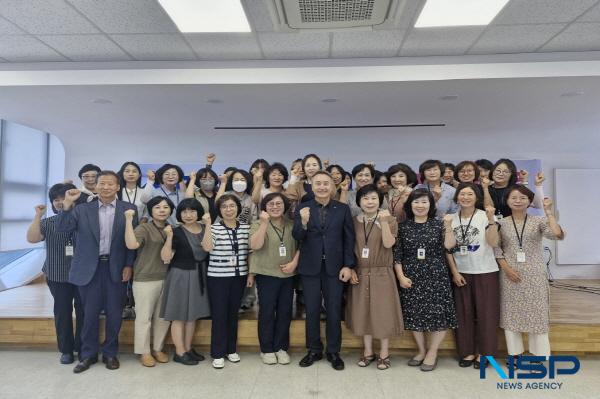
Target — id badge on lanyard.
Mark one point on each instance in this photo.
(365, 253)
(421, 253)
(282, 250)
(463, 250)
(520, 256)
(69, 250)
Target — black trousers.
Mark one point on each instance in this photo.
(275, 312)
(330, 288)
(66, 296)
(225, 296)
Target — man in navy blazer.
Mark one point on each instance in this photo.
(101, 265)
(326, 233)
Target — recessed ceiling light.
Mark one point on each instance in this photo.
(214, 101)
(101, 101)
(207, 15)
(572, 94)
(329, 100)
(459, 12)
(448, 98)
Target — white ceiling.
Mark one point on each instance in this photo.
(134, 30)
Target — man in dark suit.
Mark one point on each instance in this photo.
(101, 265)
(325, 229)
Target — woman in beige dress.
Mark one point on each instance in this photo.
(373, 309)
(524, 290)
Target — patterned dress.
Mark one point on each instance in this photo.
(524, 306)
(428, 305)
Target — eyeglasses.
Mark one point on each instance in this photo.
(465, 171)
(502, 172)
(92, 176)
(274, 204)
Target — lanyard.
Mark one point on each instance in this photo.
(520, 238)
(167, 195)
(464, 232)
(393, 203)
(128, 197)
(164, 237)
(277, 231)
(367, 235)
(234, 246)
(498, 199)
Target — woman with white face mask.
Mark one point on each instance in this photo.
(239, 183)
(204, 189)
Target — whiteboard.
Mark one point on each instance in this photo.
(577, 193)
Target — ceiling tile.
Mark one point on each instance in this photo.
(592, 15)
(542, 11)
(45, 17)
(259, 15)
(294, 45)
(86, 47)
(7, 28)
(224, 46)
(515, 38)
(383, 43)
(577, 37)
(440, 41)
(27, 49)
(131, 16)
(155, 47)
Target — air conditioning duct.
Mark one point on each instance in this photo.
(296, 15)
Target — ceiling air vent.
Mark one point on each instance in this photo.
(332, 14)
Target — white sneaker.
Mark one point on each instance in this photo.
(282, 357)
(218, 363)
(233, 357)
(268, 358)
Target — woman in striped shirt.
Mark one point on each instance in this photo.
(227, 278)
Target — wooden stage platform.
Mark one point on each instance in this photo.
(26, 321)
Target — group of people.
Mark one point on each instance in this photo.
(447, 248)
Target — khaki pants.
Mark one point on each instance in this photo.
(539, 344)
(148, 299)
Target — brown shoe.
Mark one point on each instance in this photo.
(147, 360)
(161, 357)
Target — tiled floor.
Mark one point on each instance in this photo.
(37, 374)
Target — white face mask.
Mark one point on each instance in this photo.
(239, 186)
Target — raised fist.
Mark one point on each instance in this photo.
(344, 185)
(547, 205)
(523, 176)
(264, 217)
(72, 195)
(40, 210)
(206, 220)
(539, 178)
(168, 230)
(485, 182)
(448, 219)
(129, 213)
(210, 158)
(305, 215)
(151, 175)
(384, 215)
(223, 179)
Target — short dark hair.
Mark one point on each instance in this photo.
(277, 166)
(378, 175)
(485, 164)
(368, 189)
(228, 197)
(122, 171)
(428, 164)
(249, 181)
(461, 165)
(338, 167)
(478, 193)
(416, 194)
(87, 168)
(229, 169)
(511, 167)
(157, 200)
(520, 188)
(161, 171)
(449, 165)
(269, 197)
(359, 168)
(58, 190)
(206, 172)
(258, 163)
(109, 173)
(411, 176)
(307, 157)
(188, 203)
